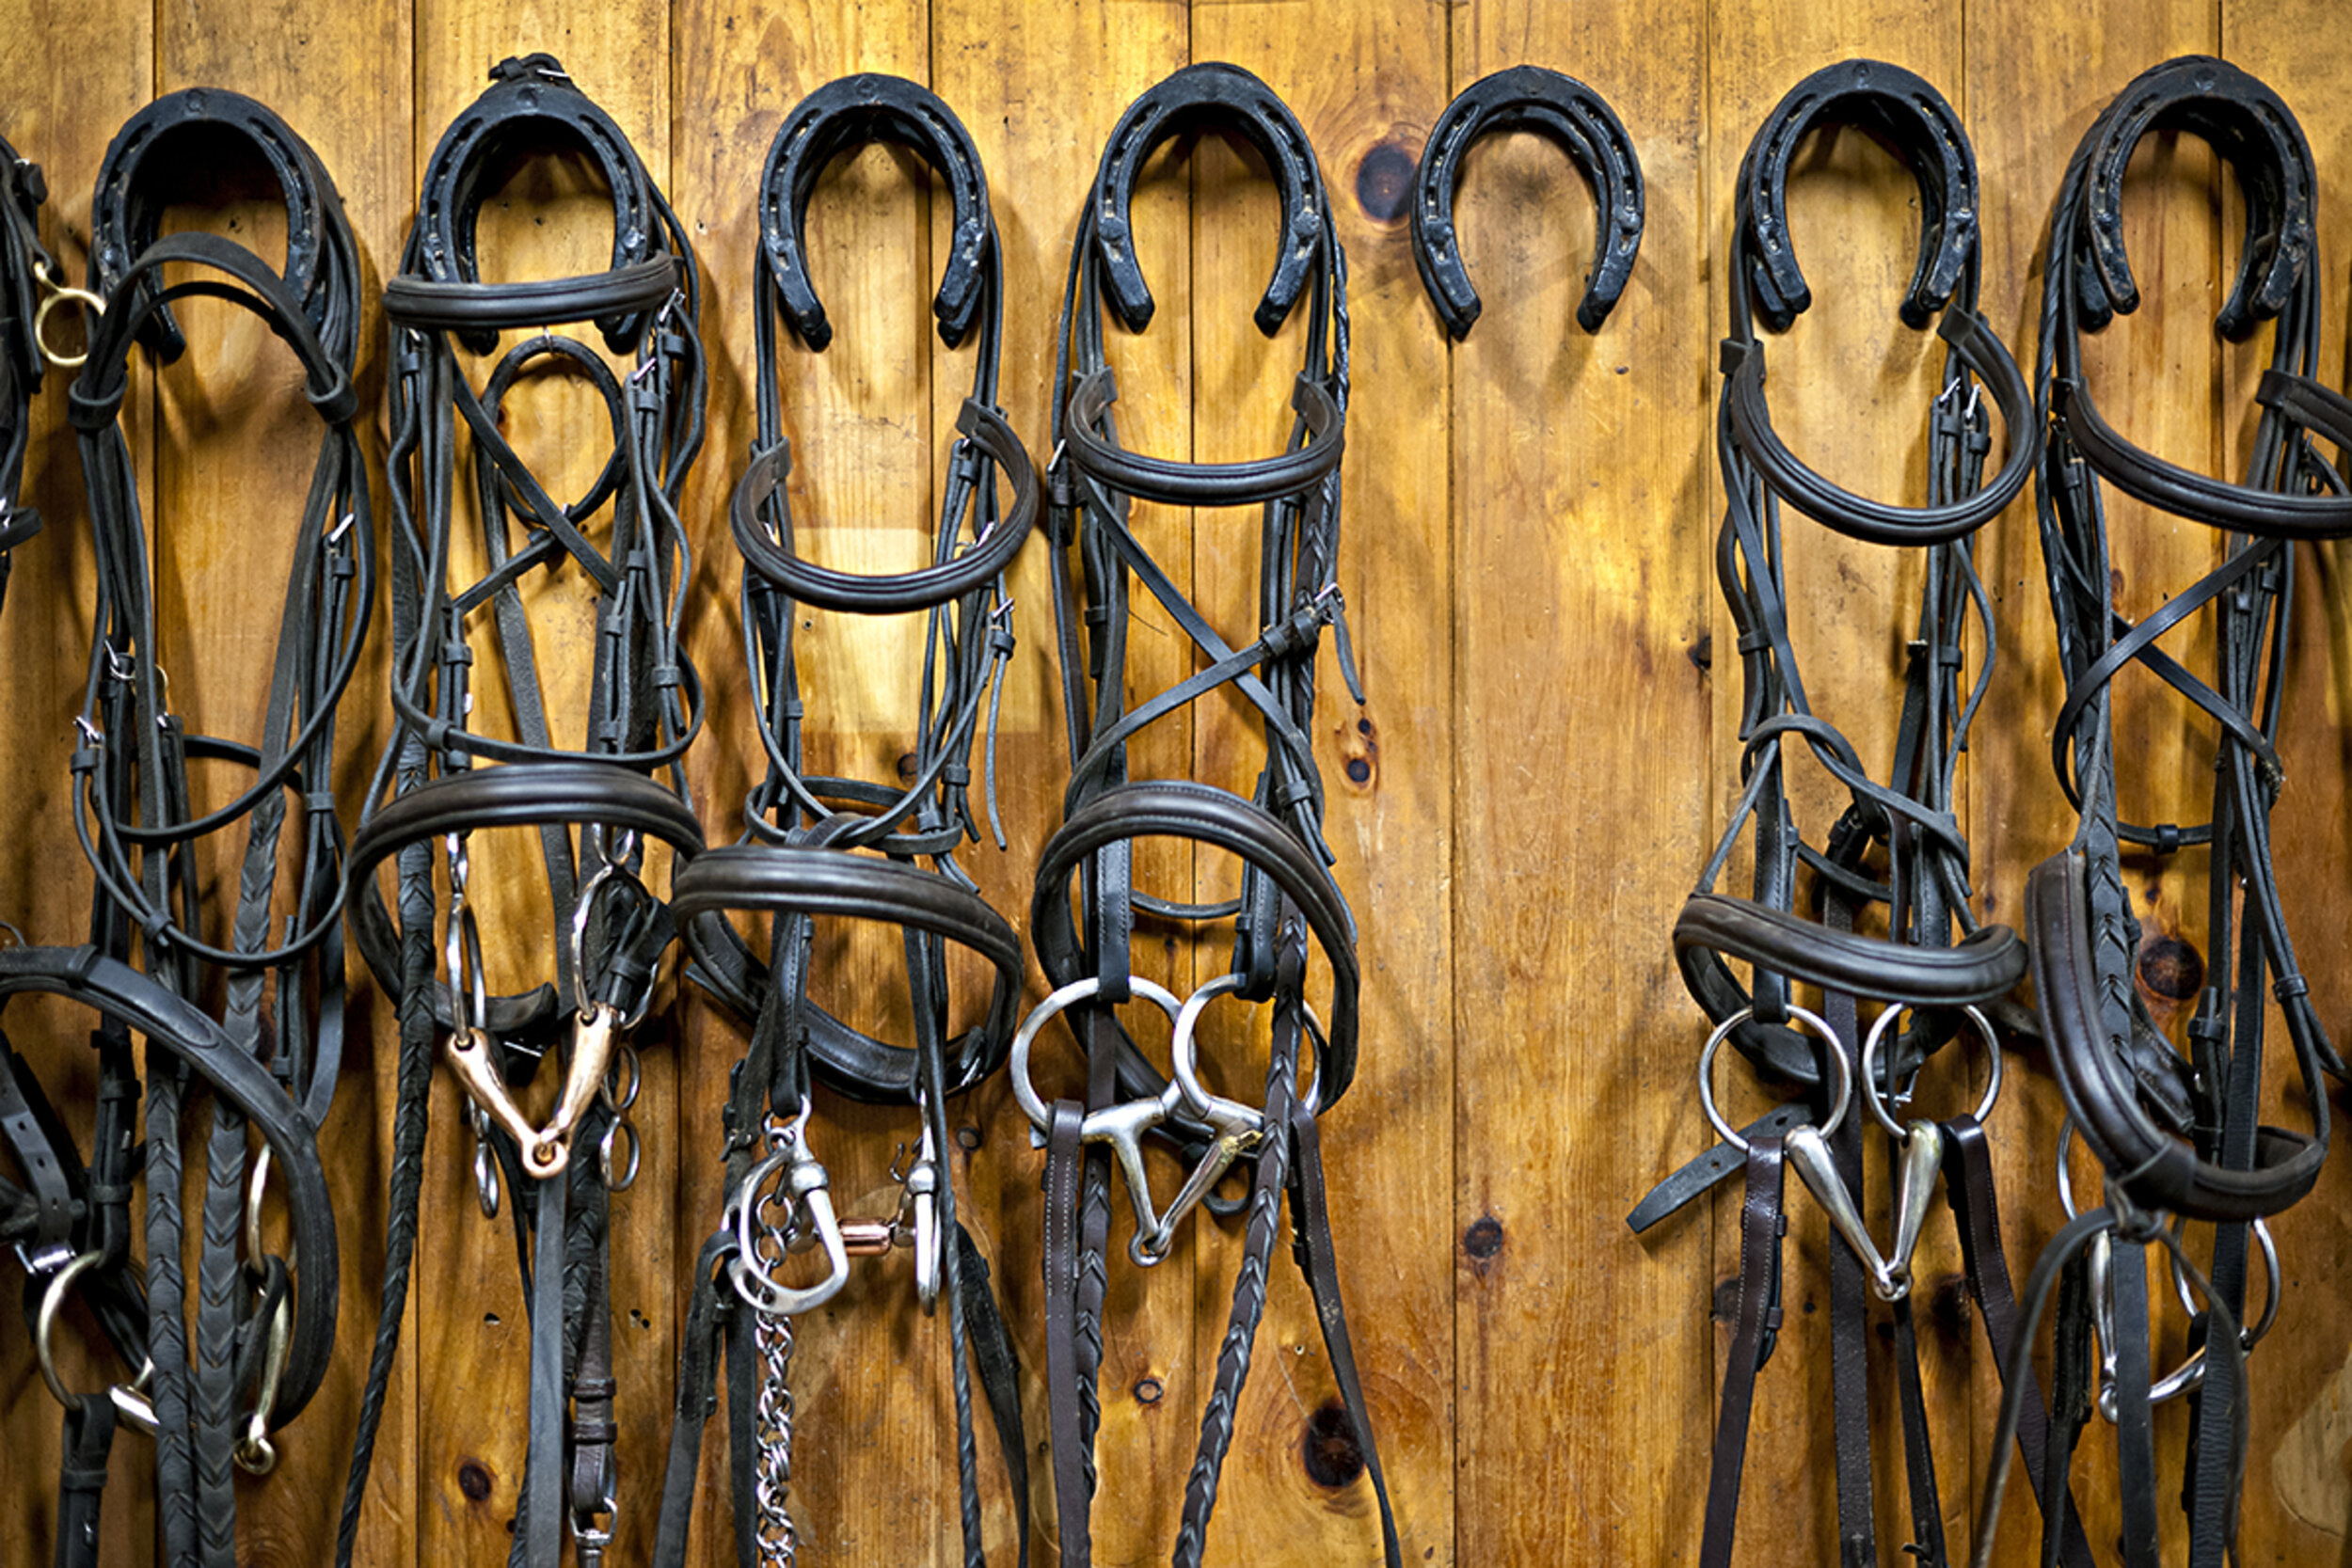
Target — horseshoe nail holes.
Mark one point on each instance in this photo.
(1483, 1238)
(2171, 969)
(1332, 1455)
(1384, 181)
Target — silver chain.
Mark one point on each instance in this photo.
(779, 1542)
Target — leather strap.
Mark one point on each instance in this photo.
(1761, 1226)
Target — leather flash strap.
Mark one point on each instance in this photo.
(1968, 1188)
(1065, 1160)
(89, 1434)
(1762, 1224)
(542, 1521)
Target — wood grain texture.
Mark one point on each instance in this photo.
(1581, 525)
(62, 123)
(1518, 809)
(1367, 98)
(549, 217)
(1850, 387)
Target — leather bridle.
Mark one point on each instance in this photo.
(1287, 890)
(2176, 1135)
(621, 788)
(799, 862)
(261, 1331)
(1898, 842)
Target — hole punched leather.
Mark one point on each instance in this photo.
(217, 1381)
(1527, 98)
(1084, 914)
(1897, 848)
(821, 848)
(2177, 1133)
(594, 806)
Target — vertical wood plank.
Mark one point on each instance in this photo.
(1581, 520)
(62, 123)
(235, 454)
(1040, 87)
(2298, 1495)
(1850, 391)
(859, 419)
(2035, 85)
(1367, 91)
(552, 219)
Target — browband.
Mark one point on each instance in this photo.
(527, 97)
(1527, 98)
(1183, 483)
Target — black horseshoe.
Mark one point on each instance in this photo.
(525, 96)
(1912, 119)
(852, 113)
(2253, 128)
(1527, 98)
(1222, 97)
(124, 218)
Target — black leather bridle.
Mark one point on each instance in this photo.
(263, 1325)
(797, 861)
(1897, 844)
(2178, 1137)
(1287, 890)
(621, 788)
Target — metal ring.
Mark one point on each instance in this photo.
(1180, 1055)
(1839, 1070)
(2248, 1337)
(60, 294)
(1078, 990)
(619, 1103)
(256, 1185)
(45, 1321)
(628, 1178)
(1878, 1026)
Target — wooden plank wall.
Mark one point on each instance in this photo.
(1533, 784)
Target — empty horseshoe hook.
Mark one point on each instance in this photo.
(1212, 95)
(852, 113)
(1527, 98)
(1912, 119)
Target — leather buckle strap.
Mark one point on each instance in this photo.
(1527, 98)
